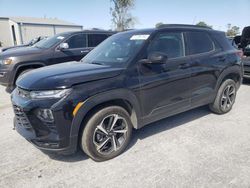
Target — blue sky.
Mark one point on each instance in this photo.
(95, 13)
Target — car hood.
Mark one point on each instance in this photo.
(14, 47)
(20, 52)
(65, 75)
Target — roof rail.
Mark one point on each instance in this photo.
(182, 25)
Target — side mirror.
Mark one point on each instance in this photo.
(63, 46)
(157, 58)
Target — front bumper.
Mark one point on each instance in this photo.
(46, 136)
(4, 77)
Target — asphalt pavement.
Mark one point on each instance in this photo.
(193, 149)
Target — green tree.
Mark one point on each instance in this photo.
(121, 16)
(232, 30)
(204, 24)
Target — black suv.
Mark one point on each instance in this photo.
(64, 47)
(245, 41)
(130, 80)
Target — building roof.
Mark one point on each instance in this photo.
(43, 21)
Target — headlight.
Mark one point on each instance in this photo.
(6, 61)
(50, 94)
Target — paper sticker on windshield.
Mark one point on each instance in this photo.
(139, 37)
(60, 37)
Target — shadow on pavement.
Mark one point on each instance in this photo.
(168, 123)
(143, 133)
(78, 156)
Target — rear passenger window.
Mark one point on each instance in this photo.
(198, 42)
(77, 41)
(95, 39)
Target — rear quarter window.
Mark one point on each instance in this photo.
(95, 39)
(198, 42)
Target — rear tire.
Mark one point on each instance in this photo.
(107, 133)
(225, 97)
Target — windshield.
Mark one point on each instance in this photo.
(51, 41)
(116, 50)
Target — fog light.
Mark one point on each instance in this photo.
(45, 115)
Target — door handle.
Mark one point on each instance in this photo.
(85, 51)
(184, 66)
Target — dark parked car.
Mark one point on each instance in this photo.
(70, 46)
(246, 62)
(245, 41)
(232, 42)
(237, 40)
(130, 80)
(31, 43)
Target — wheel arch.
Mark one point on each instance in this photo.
(235, 73)
(122, 97)
(25, 66)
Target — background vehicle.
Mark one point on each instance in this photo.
(245, 40)
(237, 40)
(232, 41)
(246, 62)
(70, 46)
(130, 80)
(32, 42)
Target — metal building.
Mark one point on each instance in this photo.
(20, 30)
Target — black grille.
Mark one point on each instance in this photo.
(21, 118)
(51, 127)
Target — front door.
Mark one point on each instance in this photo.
(165, 88)
(76, 51)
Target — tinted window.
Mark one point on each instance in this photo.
(199, 42)
(170, 44)
(95, 39)
(77, 41)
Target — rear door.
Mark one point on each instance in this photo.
(203, 51)
(95, 39)
(165, 88)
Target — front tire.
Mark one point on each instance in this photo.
(225, 97)
(107, 133)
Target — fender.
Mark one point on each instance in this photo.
(236, 69)
(93, 101)
(20, 65)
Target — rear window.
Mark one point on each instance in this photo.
(95, 39)
(198, 42)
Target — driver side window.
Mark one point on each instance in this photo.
(170, 44)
